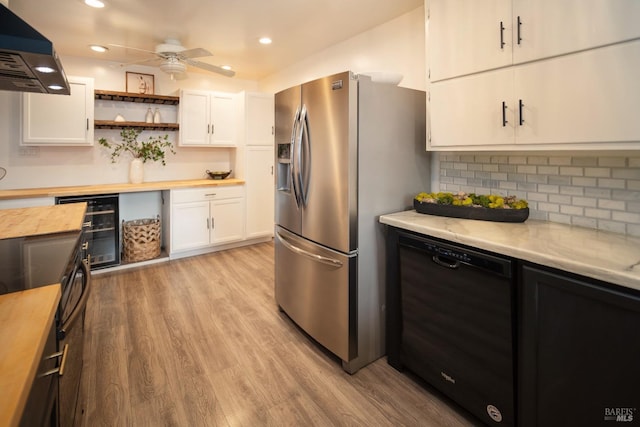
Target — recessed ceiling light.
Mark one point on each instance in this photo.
(98, 48)
(45, 70)
(94, 3)
(226, 67)
(55, 87)
(265, 40)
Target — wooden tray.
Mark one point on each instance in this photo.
(466, 212)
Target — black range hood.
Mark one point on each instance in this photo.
(28, 62)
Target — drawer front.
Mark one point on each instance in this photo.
(208, 193)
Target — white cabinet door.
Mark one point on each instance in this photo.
(259, 119)
(468, 111)
(223, 119)
(586, 100)
(259, 180)
(551, 27)
(190, 226)
(194, 118)
(465, 36)
(227, 223)
(65, 120)
(587, 97)
(207, 119)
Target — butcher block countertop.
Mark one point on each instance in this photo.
(606, 256)
(26, 319)
(82, 190)
(41, 220)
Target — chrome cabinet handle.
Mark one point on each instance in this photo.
(315, 257)
(208, 227)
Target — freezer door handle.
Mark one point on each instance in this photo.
(315, 257)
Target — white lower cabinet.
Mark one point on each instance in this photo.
(204, 217)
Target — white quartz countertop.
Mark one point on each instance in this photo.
(602, 255)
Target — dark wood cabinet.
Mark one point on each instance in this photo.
(579, 351)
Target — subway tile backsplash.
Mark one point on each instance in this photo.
(594, 191)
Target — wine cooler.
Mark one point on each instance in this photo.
(101, 232)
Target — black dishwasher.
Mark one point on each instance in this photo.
(450, 321)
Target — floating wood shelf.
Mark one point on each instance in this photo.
(111, 124)
(108, 95)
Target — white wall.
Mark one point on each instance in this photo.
(62, 166)
(396, 46)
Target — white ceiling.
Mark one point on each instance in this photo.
(229, 29)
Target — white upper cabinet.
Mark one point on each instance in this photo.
(556, 27)
(467, 36)
(65, 120)
(208, 119)
(586, 100)
(468, 111)
(259, 119)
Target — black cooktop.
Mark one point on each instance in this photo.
(30, 262)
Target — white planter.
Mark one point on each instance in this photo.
(136, 171)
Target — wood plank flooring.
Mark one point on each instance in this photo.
(200, 342)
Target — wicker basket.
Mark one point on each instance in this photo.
(141, 239)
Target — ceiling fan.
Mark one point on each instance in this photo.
(174, 58)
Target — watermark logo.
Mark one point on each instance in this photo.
(624, 415)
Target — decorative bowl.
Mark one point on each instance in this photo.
(218, 174)
(468, 212)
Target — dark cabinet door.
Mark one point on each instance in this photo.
(579, 352)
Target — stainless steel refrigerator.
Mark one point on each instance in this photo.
(347, 151)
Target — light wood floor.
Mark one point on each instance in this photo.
(200, 342)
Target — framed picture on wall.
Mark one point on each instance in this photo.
(139, 83)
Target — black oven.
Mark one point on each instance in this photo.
(30, 262)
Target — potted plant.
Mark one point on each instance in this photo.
(154, 149)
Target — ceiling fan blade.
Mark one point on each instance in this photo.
(209, 67)
(141, 61)
(132, 48)
(194, 53)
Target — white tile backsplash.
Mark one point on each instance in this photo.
(586, 190)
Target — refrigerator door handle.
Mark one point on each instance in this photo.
(315, 257)
(297, 154)
(292, 159)
(305, 160)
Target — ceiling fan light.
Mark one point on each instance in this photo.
(173, 67)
